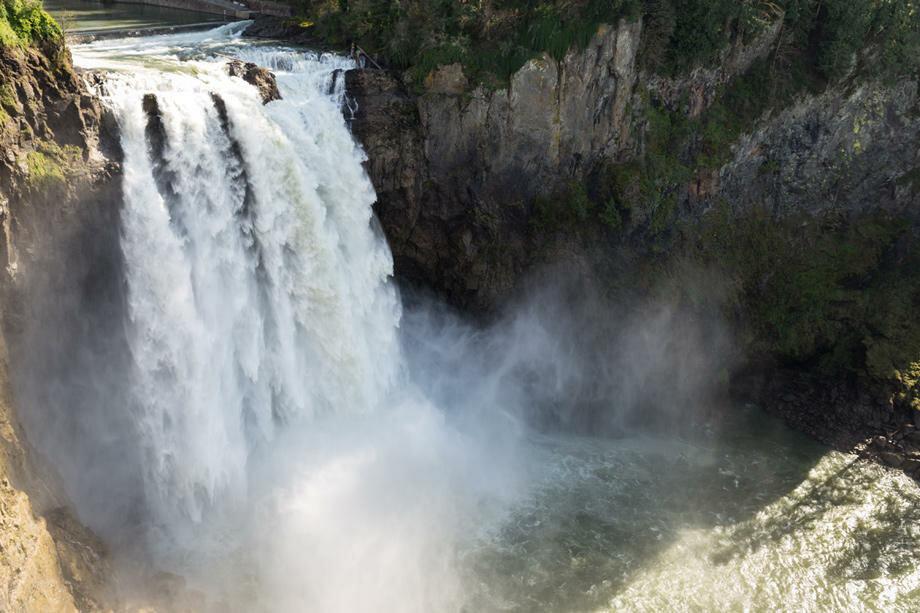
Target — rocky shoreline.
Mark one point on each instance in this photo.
(841, 414)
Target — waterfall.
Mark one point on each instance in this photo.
(244, 404)
(257, 290)
(285, 459)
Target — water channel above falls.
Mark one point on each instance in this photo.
(83, 16)
(301, 443)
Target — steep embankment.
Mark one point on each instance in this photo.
(52, 192)
(458, 167)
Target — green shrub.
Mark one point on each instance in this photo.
(683, 34)
(610, 215)
(833, 293)
(566, 209)
(491, 38)
(23, 22)
(494, 38)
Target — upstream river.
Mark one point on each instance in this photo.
(83, 16)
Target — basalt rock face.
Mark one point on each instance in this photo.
(460, 173)
(260, 78)
(58, 206)
(850, 150)
(457, 170)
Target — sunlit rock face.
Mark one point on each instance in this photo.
(458, 167)
(56, 188)
(260, 78)
(455, 171)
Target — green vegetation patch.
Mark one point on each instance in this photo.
(493, 38)
(24, 22)
(836, 35)
(834, 294)
(49, 166)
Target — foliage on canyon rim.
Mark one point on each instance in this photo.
(494, 38)
(24, 22)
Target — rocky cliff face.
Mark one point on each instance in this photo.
(850, 149)
(55, 189)
(462, 174)
(457, 171)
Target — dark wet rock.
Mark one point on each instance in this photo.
(261, 78)
(844, 416)
(895, 460)
(287, 29)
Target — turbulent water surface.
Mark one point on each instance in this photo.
(294, 442)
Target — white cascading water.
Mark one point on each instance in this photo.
(280, 439)
(257, 291)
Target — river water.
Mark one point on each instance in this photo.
(300, 441)
(81, 16)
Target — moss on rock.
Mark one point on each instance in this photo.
(49, 165)
(835, 295)
(24, 22)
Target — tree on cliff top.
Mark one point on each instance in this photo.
(494, 38)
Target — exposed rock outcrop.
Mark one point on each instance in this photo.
(693, 93)
(260, 78)
(461, 175)
(848, 150)
(456, 172)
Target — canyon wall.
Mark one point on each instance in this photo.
(466, 176)
(59, 219)
(808, 211)
(457, 168)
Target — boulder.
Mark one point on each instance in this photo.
(895, 460)
(261, 78)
